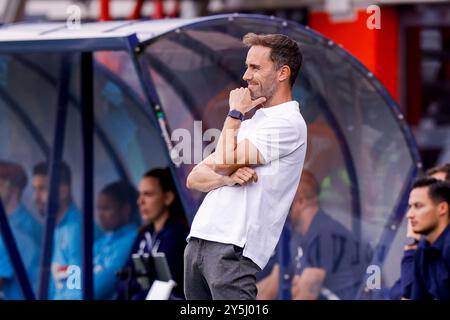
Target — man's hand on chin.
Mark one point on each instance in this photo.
(241, 100)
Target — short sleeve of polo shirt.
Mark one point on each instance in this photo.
(276, 138)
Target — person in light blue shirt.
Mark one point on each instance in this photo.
(116, 215)
(25, 228)
(67, 253)
(67, 256)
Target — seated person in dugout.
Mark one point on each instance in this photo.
(165, 230)
(116, 215)
(402, 287)
(440, 172)
(25, 228)
(67, 252)
(326, 262)
(429, 216)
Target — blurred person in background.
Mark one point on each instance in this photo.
(25, 228)
(164, 230)
(440, 172)
(67, 251)
(116, 215)
(325, 263)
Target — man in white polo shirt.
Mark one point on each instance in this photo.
(251, 178)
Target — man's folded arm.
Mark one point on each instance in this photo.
(246, 154)
(212, 174)
(203, 178)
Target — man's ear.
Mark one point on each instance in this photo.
(285, 73)
(443, 208)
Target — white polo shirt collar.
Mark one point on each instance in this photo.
(289, 106)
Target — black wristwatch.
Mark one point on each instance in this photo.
(236, 115)
(411, 241)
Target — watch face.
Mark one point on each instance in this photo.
(236, 114)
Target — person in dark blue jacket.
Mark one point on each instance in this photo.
(326, 259)
(403, 286)
(165, 230)
(429, 214)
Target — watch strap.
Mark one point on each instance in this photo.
(236, 115)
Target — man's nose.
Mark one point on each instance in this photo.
(409, 214)
(247, 75)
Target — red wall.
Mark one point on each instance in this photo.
(377, 49)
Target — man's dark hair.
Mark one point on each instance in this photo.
(14, 173)
(284, 51)
(65, 176)
(444, 168)
(439, 191)
(164, 177)
(167, 184)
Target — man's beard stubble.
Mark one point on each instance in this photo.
(267, 93)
